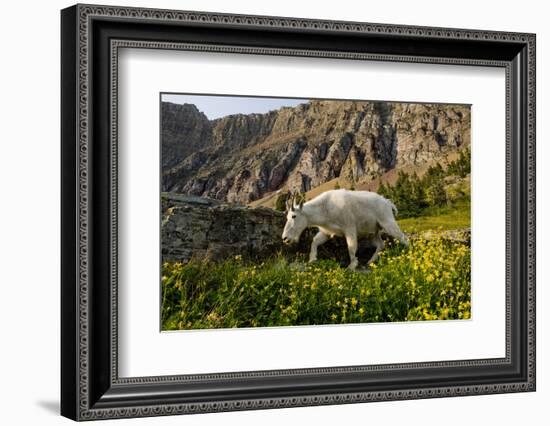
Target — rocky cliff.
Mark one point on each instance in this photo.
(184, 131)
(241, 158)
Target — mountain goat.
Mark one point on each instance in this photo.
(339, 212)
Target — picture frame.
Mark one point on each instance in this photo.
(90, 384)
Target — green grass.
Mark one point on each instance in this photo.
(442, 218)
(429, 280)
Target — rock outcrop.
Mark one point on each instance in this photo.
(241, 158)
(197, 227)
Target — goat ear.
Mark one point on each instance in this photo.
(302, 200)
(298, 201)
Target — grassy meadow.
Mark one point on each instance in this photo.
(439, 219)
(428, 281)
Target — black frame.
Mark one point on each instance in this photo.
(91, 37)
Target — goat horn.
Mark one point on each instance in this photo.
(293, 198)
(288, 201)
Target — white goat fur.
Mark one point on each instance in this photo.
(351, 214)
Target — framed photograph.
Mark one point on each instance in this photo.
(263, 212)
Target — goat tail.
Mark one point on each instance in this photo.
(393, 208)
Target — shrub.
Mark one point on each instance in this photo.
(280, 202)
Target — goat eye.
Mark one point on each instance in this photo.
(293, 216)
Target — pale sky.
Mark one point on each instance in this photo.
(221, 106)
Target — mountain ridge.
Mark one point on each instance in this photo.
(242, 158)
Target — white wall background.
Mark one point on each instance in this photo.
(29, 213)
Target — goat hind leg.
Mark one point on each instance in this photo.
(351, 241)
(379, 244)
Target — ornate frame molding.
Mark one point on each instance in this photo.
(82, 17)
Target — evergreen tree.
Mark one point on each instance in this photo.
(384, 190)
(412, 194)
(462, 166)
(436, 194)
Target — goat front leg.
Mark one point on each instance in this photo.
(320, 238)
(351, 241)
